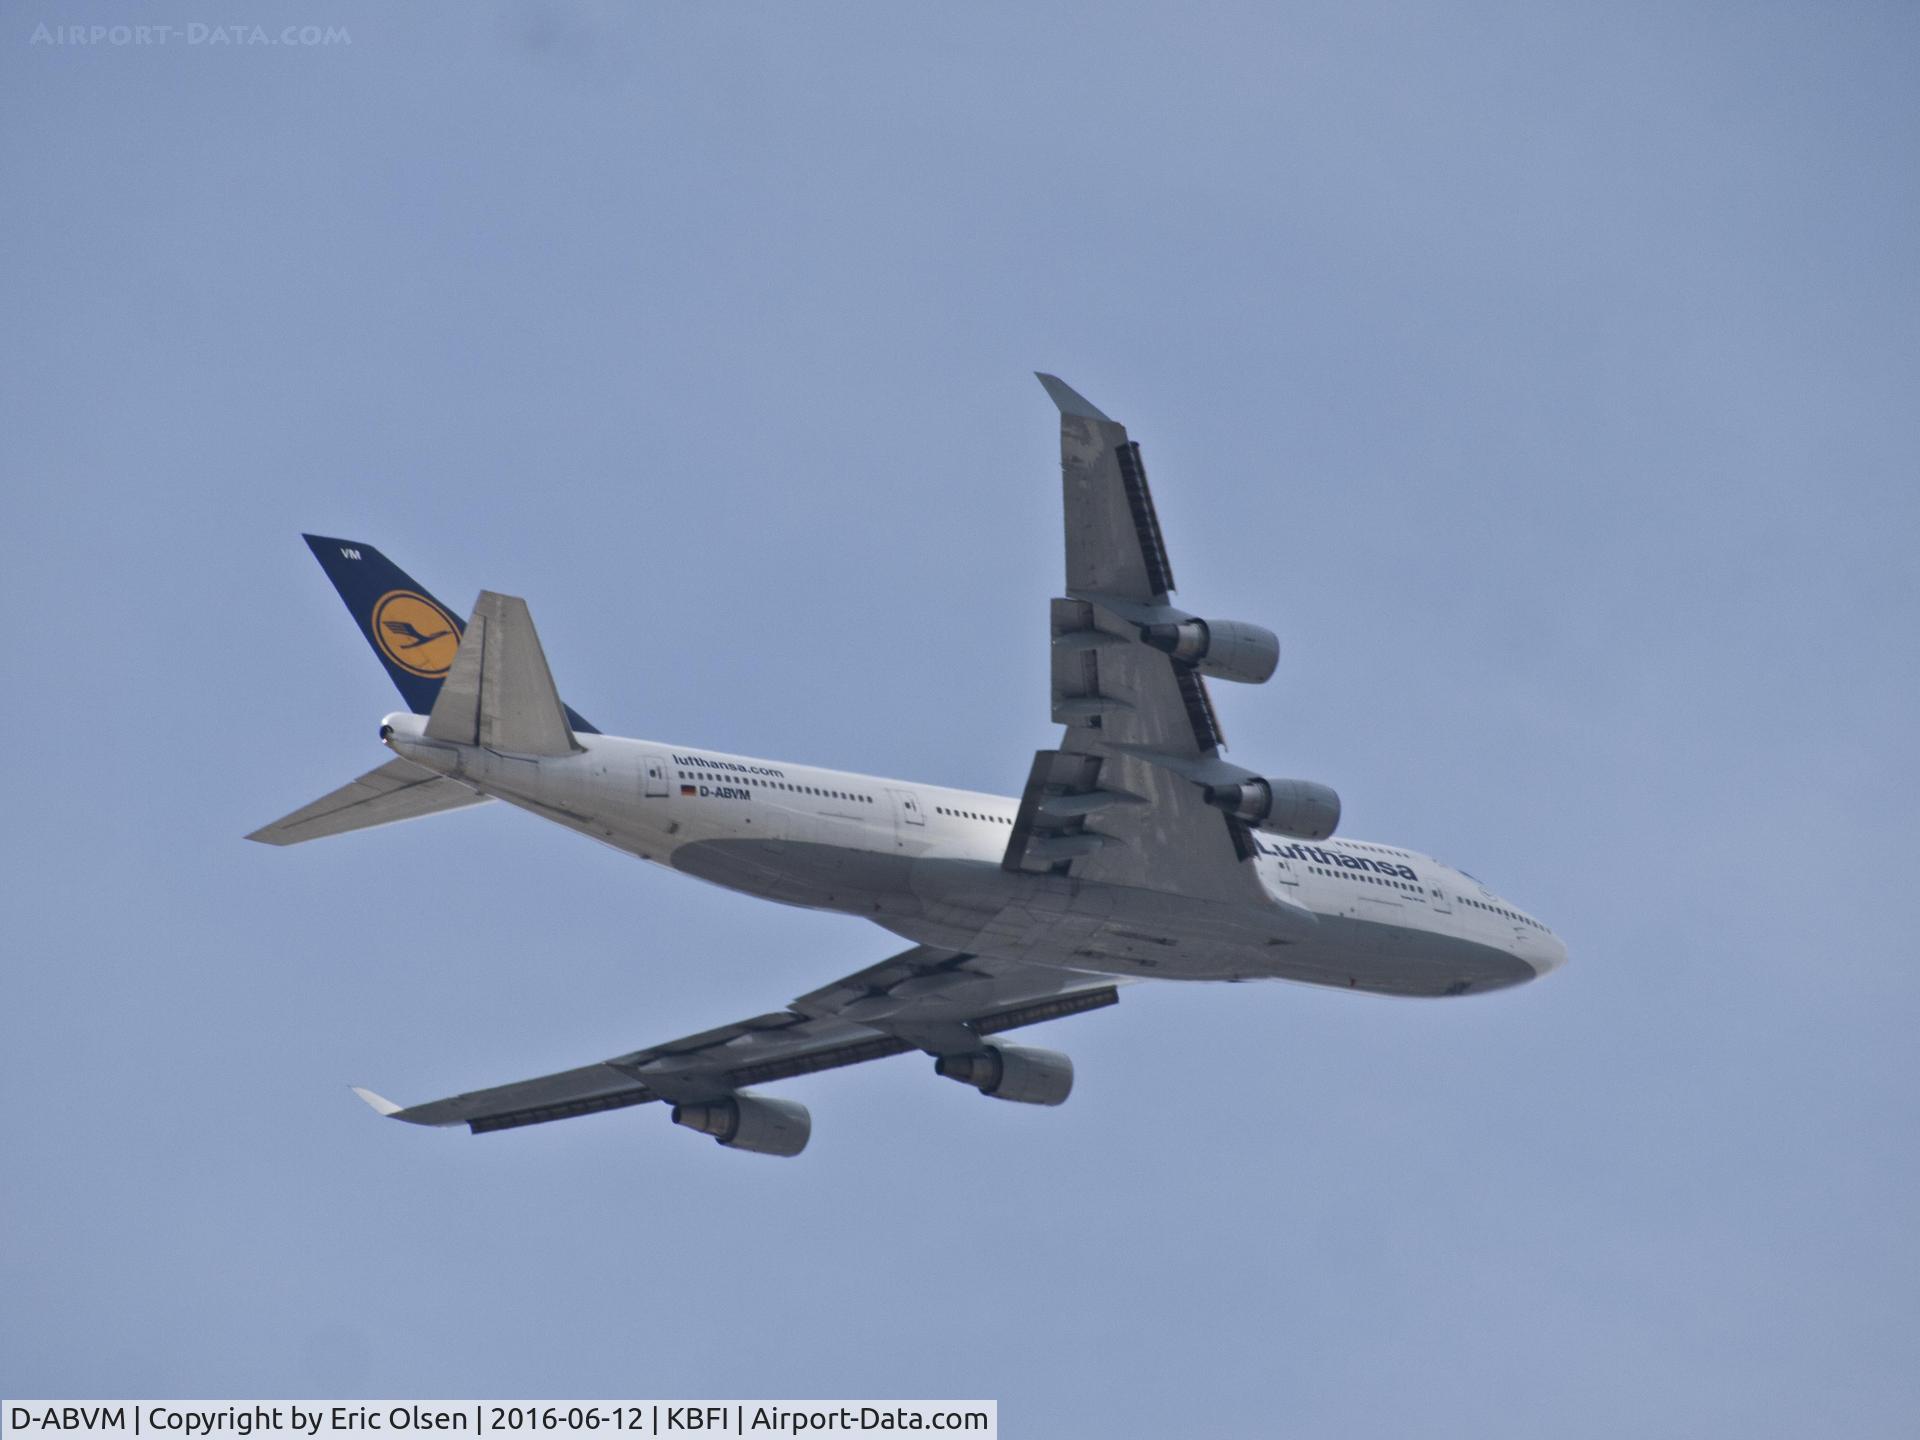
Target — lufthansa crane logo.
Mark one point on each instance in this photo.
(415, 634)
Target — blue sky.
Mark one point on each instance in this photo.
(1543, 375)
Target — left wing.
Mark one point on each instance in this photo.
(1122, 800)
(942, 1002)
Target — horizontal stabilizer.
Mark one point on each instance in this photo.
(398, 790)
(499, 693)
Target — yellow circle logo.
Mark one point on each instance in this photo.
(414, 633)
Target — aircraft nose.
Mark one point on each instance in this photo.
(1547, 955)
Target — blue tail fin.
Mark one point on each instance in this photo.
(415, 636)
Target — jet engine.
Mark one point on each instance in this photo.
(1299, 809)
(1011, 1072)
(1230, 649)
(750, 1122)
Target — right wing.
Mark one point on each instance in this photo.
(940, 1001)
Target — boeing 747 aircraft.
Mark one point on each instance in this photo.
(1134, 852)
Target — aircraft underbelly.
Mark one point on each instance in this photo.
(821, 877)
(1054, 920)
(976, 905)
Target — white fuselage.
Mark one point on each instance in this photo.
(923, 861)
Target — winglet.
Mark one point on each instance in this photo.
(379, 1104)
(1070, 400)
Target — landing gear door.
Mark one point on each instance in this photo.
(654, 768)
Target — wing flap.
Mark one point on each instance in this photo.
(1052, 810)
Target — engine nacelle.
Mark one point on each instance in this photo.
(1012, 1072)
(750, 1122)
(1230, 649)
(1299, 809)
